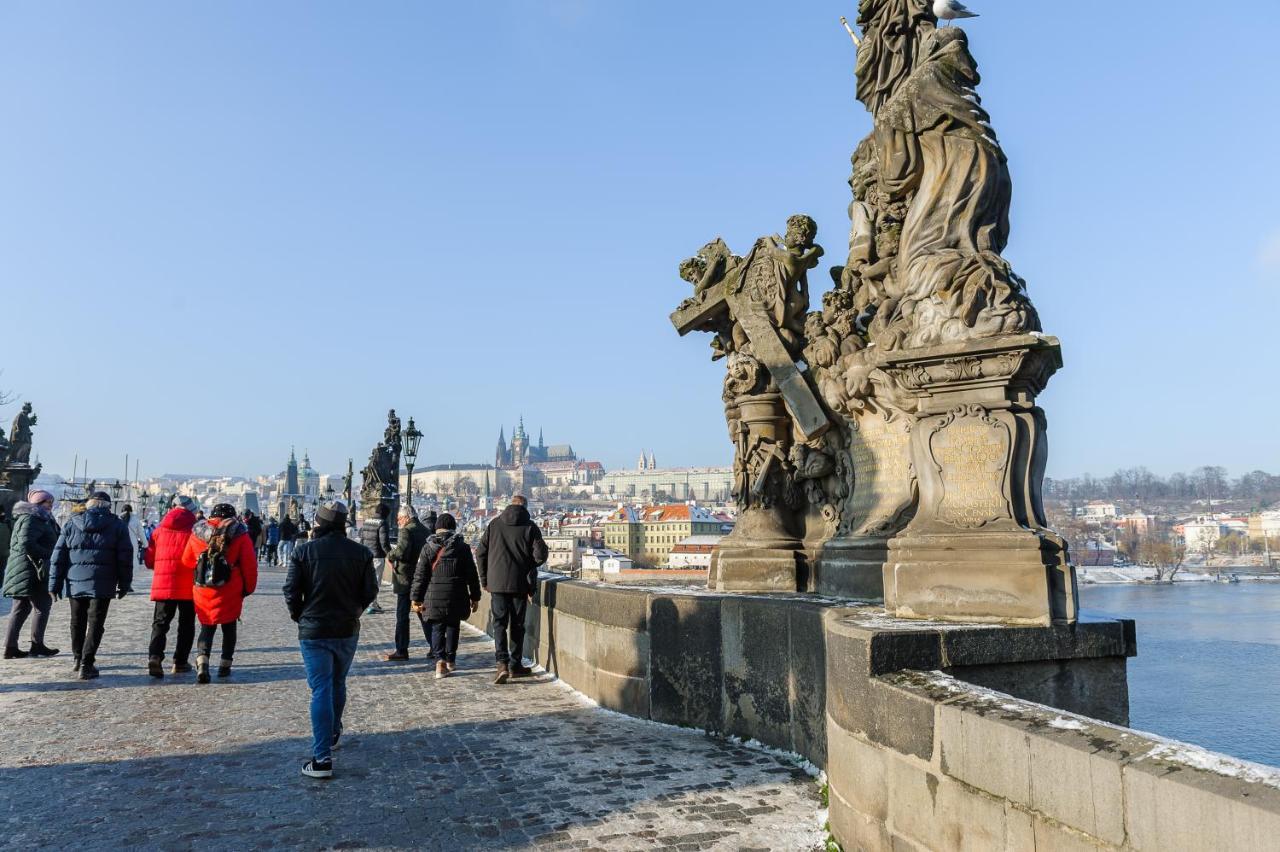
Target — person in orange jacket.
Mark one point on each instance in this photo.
(223, 579)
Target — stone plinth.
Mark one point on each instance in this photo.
(763, 553)
(979, 547)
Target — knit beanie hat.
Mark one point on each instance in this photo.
(38, 496)
(446, 522)
(332, 514)
(182, 501)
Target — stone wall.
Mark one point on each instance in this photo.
(919, 752)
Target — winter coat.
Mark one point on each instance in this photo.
(374, 535)
(404, 556)
(93, 557)
(510, 552)
(254, 523)
(273, 534)
(330, 582)
(223, 604)
(446, 586)
(35, 533)
(6, 533)
(172, 581)
(288, 529)
(137, 538)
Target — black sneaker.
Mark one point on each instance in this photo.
(315, 769)
(75, 664)
(15, 654)
(43, 650)
(155, 668)
(88, 671)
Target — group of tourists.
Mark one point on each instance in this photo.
(204, 568)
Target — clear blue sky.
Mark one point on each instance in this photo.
(229, 227)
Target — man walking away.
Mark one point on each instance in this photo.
(508, 555)
(92, 561)
(273, 541)
(330, 582)
(404, 559)
(375, 536)
(288, 535)
(171, 588)
(137, 535)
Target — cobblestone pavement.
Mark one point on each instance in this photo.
(459, 764)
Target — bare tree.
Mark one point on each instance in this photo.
(1167, 557)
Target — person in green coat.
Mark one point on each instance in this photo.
(6, 533)
(404, 559)
(26, 575)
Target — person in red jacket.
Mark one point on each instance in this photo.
(171, 588)
(220, 605)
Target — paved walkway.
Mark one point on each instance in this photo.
(459, 764)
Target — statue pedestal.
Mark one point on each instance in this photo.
(979, 547)
(852, 565)
(763, 553)
(15, 482)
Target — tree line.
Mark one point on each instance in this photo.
(1139, 484)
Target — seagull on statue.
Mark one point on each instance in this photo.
(949, 10)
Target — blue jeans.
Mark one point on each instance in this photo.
(327, 662)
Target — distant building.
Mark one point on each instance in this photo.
(599, 561)
(1202, 534)
(563, 553)
(707, 484)
(1137, 523)
(1264, 525)
(1096, 510)
(649, 534)
(694, 552)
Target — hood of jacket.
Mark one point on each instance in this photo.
(205, 529)
(179, 519)
(22, 507)
(94, 520)
(515, 516)
(449, 542)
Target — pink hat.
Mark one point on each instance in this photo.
(38, 496)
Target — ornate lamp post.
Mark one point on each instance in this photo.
(116, 490)
(412, 438)
(329, 493)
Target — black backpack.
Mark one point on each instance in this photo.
(212, 568)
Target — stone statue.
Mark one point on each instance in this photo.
(382, 473)
(20, 436)
(888, 445)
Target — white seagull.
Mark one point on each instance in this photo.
(949, 10)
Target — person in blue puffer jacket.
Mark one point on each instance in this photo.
(92, 562)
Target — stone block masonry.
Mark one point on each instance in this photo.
(921, 751)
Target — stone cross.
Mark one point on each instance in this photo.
(767, 347)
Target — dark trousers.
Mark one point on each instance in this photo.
(165, 611)
(444, 640)
(88, 620)
(41, 602)
(272, 556)
(204, 645)
(403, 605)
(507, 612)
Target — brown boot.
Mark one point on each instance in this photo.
(442, 669)
(503, 674)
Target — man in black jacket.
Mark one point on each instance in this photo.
(404, 561)
(508, 556)
(375, 536)
(330, 582)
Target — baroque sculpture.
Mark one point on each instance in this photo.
(16, 471)
(888, 445)
(382, 473)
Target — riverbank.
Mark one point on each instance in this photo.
(1146, 576)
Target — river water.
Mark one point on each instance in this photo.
(1208, 664)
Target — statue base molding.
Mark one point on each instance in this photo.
(755, 569)
(979, 547)
(852, 568)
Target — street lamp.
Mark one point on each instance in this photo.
(116, 490)
(412, 438)
(329, 492)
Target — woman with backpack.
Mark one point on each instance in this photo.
(221, 553)
(446, 589)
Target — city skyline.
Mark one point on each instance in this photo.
(487, 207)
